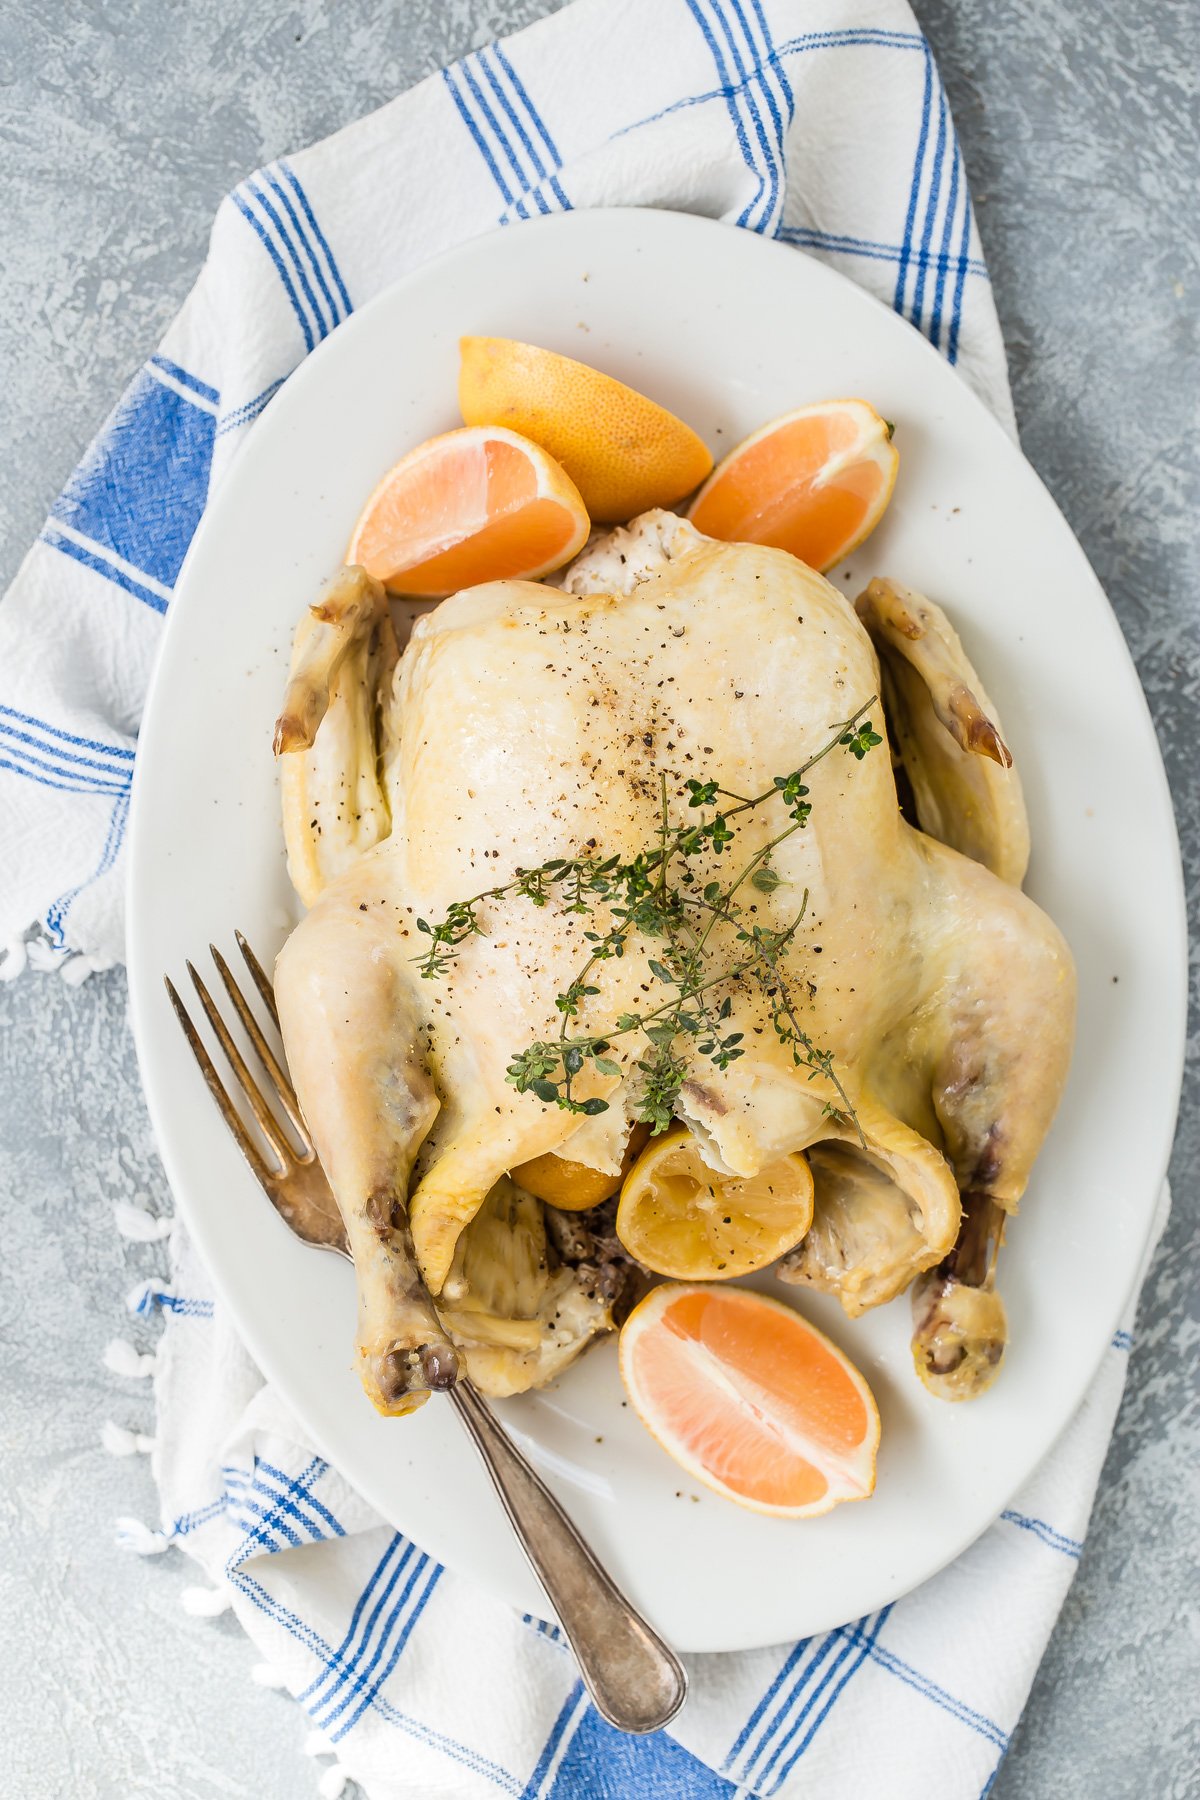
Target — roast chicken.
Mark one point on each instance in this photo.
(525, 723)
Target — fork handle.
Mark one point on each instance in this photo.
(637, 1683)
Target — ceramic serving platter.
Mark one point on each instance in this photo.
(729, 330)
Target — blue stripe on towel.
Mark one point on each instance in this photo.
(960, 282)
(314, 226)
(743, 112)
(201, 1515)
(832, 1656)
(337, 1659)
(536, 120)
(730, 95)
(181, 1305)
(481, 144)
(855, 36)
(904, 1671)
(67, 737)
(185, 379)
(840, 1674)
(288, 200)
(50, 781)
(809, 238)
(751, 84)
(943, 260)
(251, 1514)
(310, 1640)
(506, 106)
(537, 167)
(317, 1508)
(932, 198)
(599, 1761)
(914, 191)
(775, 86)
(91, 558)
(341, 1671)
(570, 1717)
(525, 182)
(863, 37)
(407, 1615)
(249, 409)
(789, 1702)
(56, 914)
(142, 486)
(87, 775)
(263, 1533)
(260, 231)
(1056, 1540)
(789, 1670)
(354, 1691)
(288, 244)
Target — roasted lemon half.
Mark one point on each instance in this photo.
(680, 1219)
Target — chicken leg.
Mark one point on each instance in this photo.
(352, 1030)
(960, 1329)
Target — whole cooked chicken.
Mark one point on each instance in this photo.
(893, 1005)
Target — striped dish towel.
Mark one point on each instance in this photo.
(822, 123)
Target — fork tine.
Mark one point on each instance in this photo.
(268, 1124)
(266, 1056)
(216, 1088)
(260, 978)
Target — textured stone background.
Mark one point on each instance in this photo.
(123, 122)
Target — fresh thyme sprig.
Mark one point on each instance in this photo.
(680, 916)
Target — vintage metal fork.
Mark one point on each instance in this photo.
(637, 1683)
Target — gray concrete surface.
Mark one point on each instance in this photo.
(122, 125)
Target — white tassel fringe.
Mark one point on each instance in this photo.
(122, 1358)
(333, 1782)
(145, 1295)
(137, 1223)
(133, 1535)
(38, 953)
(205, 1603)
(119, 1442)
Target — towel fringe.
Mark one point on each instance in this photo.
(119, 1442)
(32, 949)
(133, 1535)
(145, 1295)
(317, 1744)
(139, 1224)
(334, 1782)
(76, 968)
(123, 1358)
(205, 1603)
(42, 956)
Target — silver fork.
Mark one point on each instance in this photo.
(636, 1681)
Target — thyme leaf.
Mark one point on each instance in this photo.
(643, 901)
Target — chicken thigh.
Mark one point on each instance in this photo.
(524, 724)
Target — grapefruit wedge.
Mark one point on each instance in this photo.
(472, 505)
(626, 452)
(750, 1399)
(814, 482)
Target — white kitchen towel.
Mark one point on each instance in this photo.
(822, 123)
